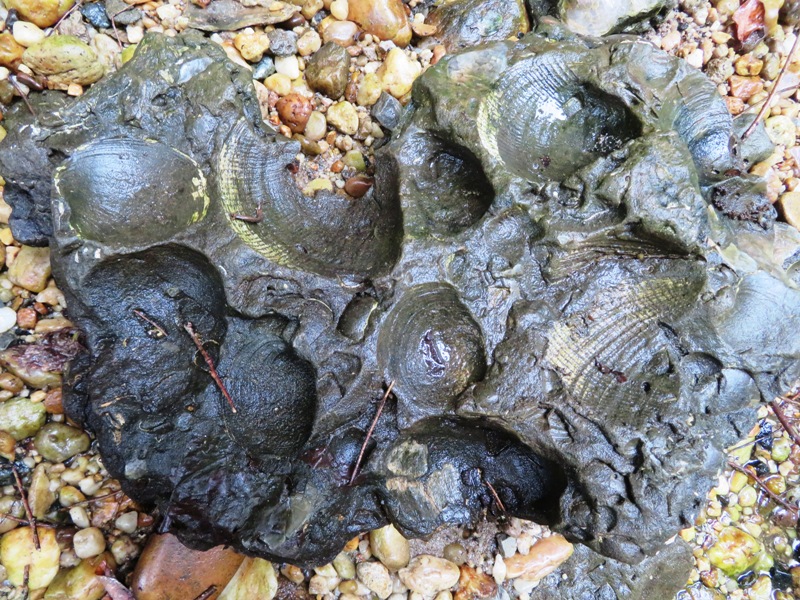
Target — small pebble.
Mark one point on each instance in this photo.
(288, 66)
(8, 319)
(343, 116)
(96, 14)
(88, 542)
(27, 34)
(428, 575)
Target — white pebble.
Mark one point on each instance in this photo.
(127, 522)
(135, 33)
(287, 65)
(88, 542)
(27, 34)
(339, 9)
(8, 318)
(89, 486)
(79, 517)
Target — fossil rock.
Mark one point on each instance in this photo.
(577, 293)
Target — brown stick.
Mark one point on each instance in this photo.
(12, 79)
(777, 499)
(259, 216)
(144, 317)
(773, 91)
(26, 577)
(28, 512)
(370, 431)
(784, 421)
(210, 590)
(211, 368)
(64, 16)
(90, 500)
(496, 497)
(114, 24)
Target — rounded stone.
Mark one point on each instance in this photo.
(58, 442)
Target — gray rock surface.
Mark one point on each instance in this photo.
(555, 267)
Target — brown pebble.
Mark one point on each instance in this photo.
(53, 402)
(745, 87)
(358, 186)
(438, 52)
(144, 520)
(337, 167)
(474, 584)
(11, 383)
(26, 318)
(294, 111)
(735, 105)
(296, 20)
(167, 570)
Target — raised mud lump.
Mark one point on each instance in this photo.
(583, 330)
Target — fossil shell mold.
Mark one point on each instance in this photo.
(578, 295)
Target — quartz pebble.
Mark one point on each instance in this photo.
(385, 19)
(255, 579)
(43, 13)
(18, 551)
(543, 558)
(308, 43)
(376, 577)
(27, 34)
(428, 575)
(127, 522)
(343, 116)
(316, 126)
(8, 318)
(88, 542)
(340, 32)
(288, 66)
(398, 72)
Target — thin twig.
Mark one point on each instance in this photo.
(259, 216)
(12, 79)
(64, 16)
(90, 500)
(773, 91)
(144, 317)
(496, 497)
(784, 421)
(751, 107)
(26, 578)
(210, 591)
(370, 431)
(211, 368)
(28, 511)
(114, 23)
(777, 499)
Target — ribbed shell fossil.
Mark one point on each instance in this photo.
(560, 123)
(431, 347)
(577, 302)
(327, 234)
